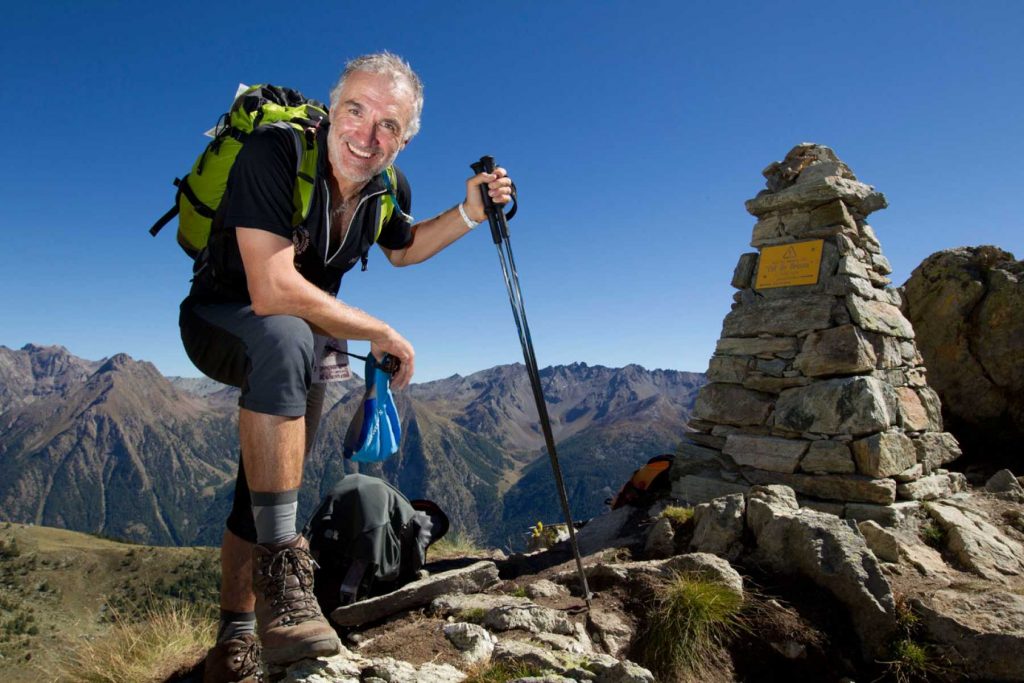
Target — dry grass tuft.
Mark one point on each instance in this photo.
(911, 659)
(677, 515)
(501, 672)
(169, 638)
(690, 621)
(454, 545)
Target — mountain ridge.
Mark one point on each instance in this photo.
(114, 447)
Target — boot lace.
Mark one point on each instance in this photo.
(246, 658)
(294, 604)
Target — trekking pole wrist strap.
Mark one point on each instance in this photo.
(470, 223)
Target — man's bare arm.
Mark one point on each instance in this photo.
(434, 234)
(276, 288)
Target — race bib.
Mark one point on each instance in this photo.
(330, 364)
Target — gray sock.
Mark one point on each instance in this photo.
(274, 515)
(235, 625)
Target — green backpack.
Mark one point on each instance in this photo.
(201, 190)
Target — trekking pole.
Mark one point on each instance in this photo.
(498, 221)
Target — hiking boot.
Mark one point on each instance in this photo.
(234, 661)
(289, 622)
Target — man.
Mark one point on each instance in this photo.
(266, 288)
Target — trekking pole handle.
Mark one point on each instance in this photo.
(495, 216)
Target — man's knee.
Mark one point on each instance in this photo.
(281, 370)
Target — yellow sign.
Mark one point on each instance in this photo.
(787, 265)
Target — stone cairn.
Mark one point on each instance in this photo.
(819, 387)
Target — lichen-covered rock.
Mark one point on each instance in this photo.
(828, 457)
(542, 588)
(757, 346)
(838, 351)
(933, 487)
(849, 488)
(660, 542)
(519, 652)
(935, 449)
(980, 633)
(475, 577)
(1003, 481)
(431, 672)
(474, 642)
(718, 526)
(831, 553)
(765, 452)
(849, 405)
(708, 567)
(625, 672)
(977, 543)
(532, 618)
(612, 632)
(884, 454)
(767, 502)
(454, 603)
(723, 403)
(345, 667)
(392, 670)
(967, 306)
(883, 543)
(879, 316)
(695, 490)
(781, 317)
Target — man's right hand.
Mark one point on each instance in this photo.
(276, 288)
(398, 346)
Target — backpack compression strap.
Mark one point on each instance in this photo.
(388, 206)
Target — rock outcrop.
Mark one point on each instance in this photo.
(967, 308)
(816, 382)
(829, 552)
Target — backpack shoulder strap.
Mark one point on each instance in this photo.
(306, 154)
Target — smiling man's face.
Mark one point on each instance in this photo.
(368, 127)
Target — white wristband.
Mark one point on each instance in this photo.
(470, 223)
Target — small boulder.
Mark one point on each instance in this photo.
(542, 588)
(611, 630)
(608, 530)
(831, 553)
(709, 567)
(719, 526)
(432, 672)
(625, 672)
(532, 618)
(883, 543)
(518, 652)
(660, 539)
(1004, 482)
(978, 631)
(474, 642)
(978, 544)
(767, 502)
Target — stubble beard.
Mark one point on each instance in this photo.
(334, 155)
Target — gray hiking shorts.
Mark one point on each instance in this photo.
(270, 358)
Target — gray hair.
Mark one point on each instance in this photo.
(390, 65)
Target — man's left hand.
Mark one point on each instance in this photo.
(499, 187)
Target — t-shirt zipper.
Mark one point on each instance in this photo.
(328, 256)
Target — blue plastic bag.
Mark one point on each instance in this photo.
(376, 430)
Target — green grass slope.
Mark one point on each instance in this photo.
(61, 588)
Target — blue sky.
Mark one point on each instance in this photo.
(635, 131)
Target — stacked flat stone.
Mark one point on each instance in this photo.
(819, 387)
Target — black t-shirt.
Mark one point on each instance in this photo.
(259, 195)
